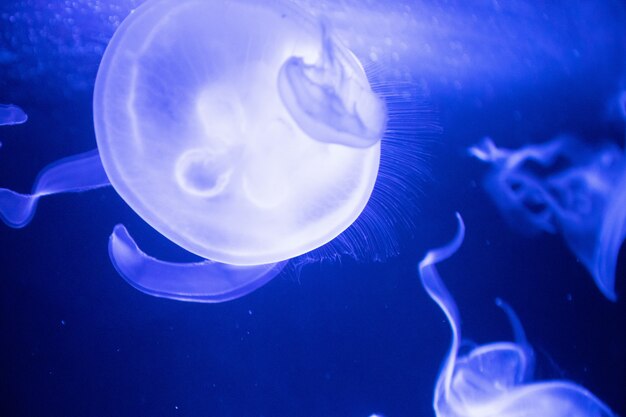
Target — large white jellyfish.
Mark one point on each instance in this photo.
(243, 131)
(495, 380)
(564, 186)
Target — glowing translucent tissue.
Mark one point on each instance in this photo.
(495, 380)
(564, 186)
(10, 114)
(242, 131)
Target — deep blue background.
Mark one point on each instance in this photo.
(339, 339)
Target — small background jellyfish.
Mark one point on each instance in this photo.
(496, 379)
(11, 114)
(564, 186)
(344, 338)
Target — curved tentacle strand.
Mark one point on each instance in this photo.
(76, 173)
(436, 289)
(610, 240)
(519, 334)
(206, 281)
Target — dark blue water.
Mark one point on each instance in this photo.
(348, 338)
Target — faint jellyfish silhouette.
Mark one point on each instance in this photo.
(244, 133)
(496, 379)
(564, 186)
(10, 114)
(616, 107)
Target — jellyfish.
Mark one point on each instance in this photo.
(11, 114)
(568, 187)
(245, 133)
(496, 379)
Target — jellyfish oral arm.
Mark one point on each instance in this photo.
(487, 151)
(527, 355)
(73, 174)
(331, 99)
(205, 281)
(434, 286)
(11, 114)
(609, 242)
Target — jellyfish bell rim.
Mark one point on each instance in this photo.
(506, 402)
(104, 127)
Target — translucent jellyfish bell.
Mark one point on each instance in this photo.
(241, 130)
(564, 186)
(496, 379)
